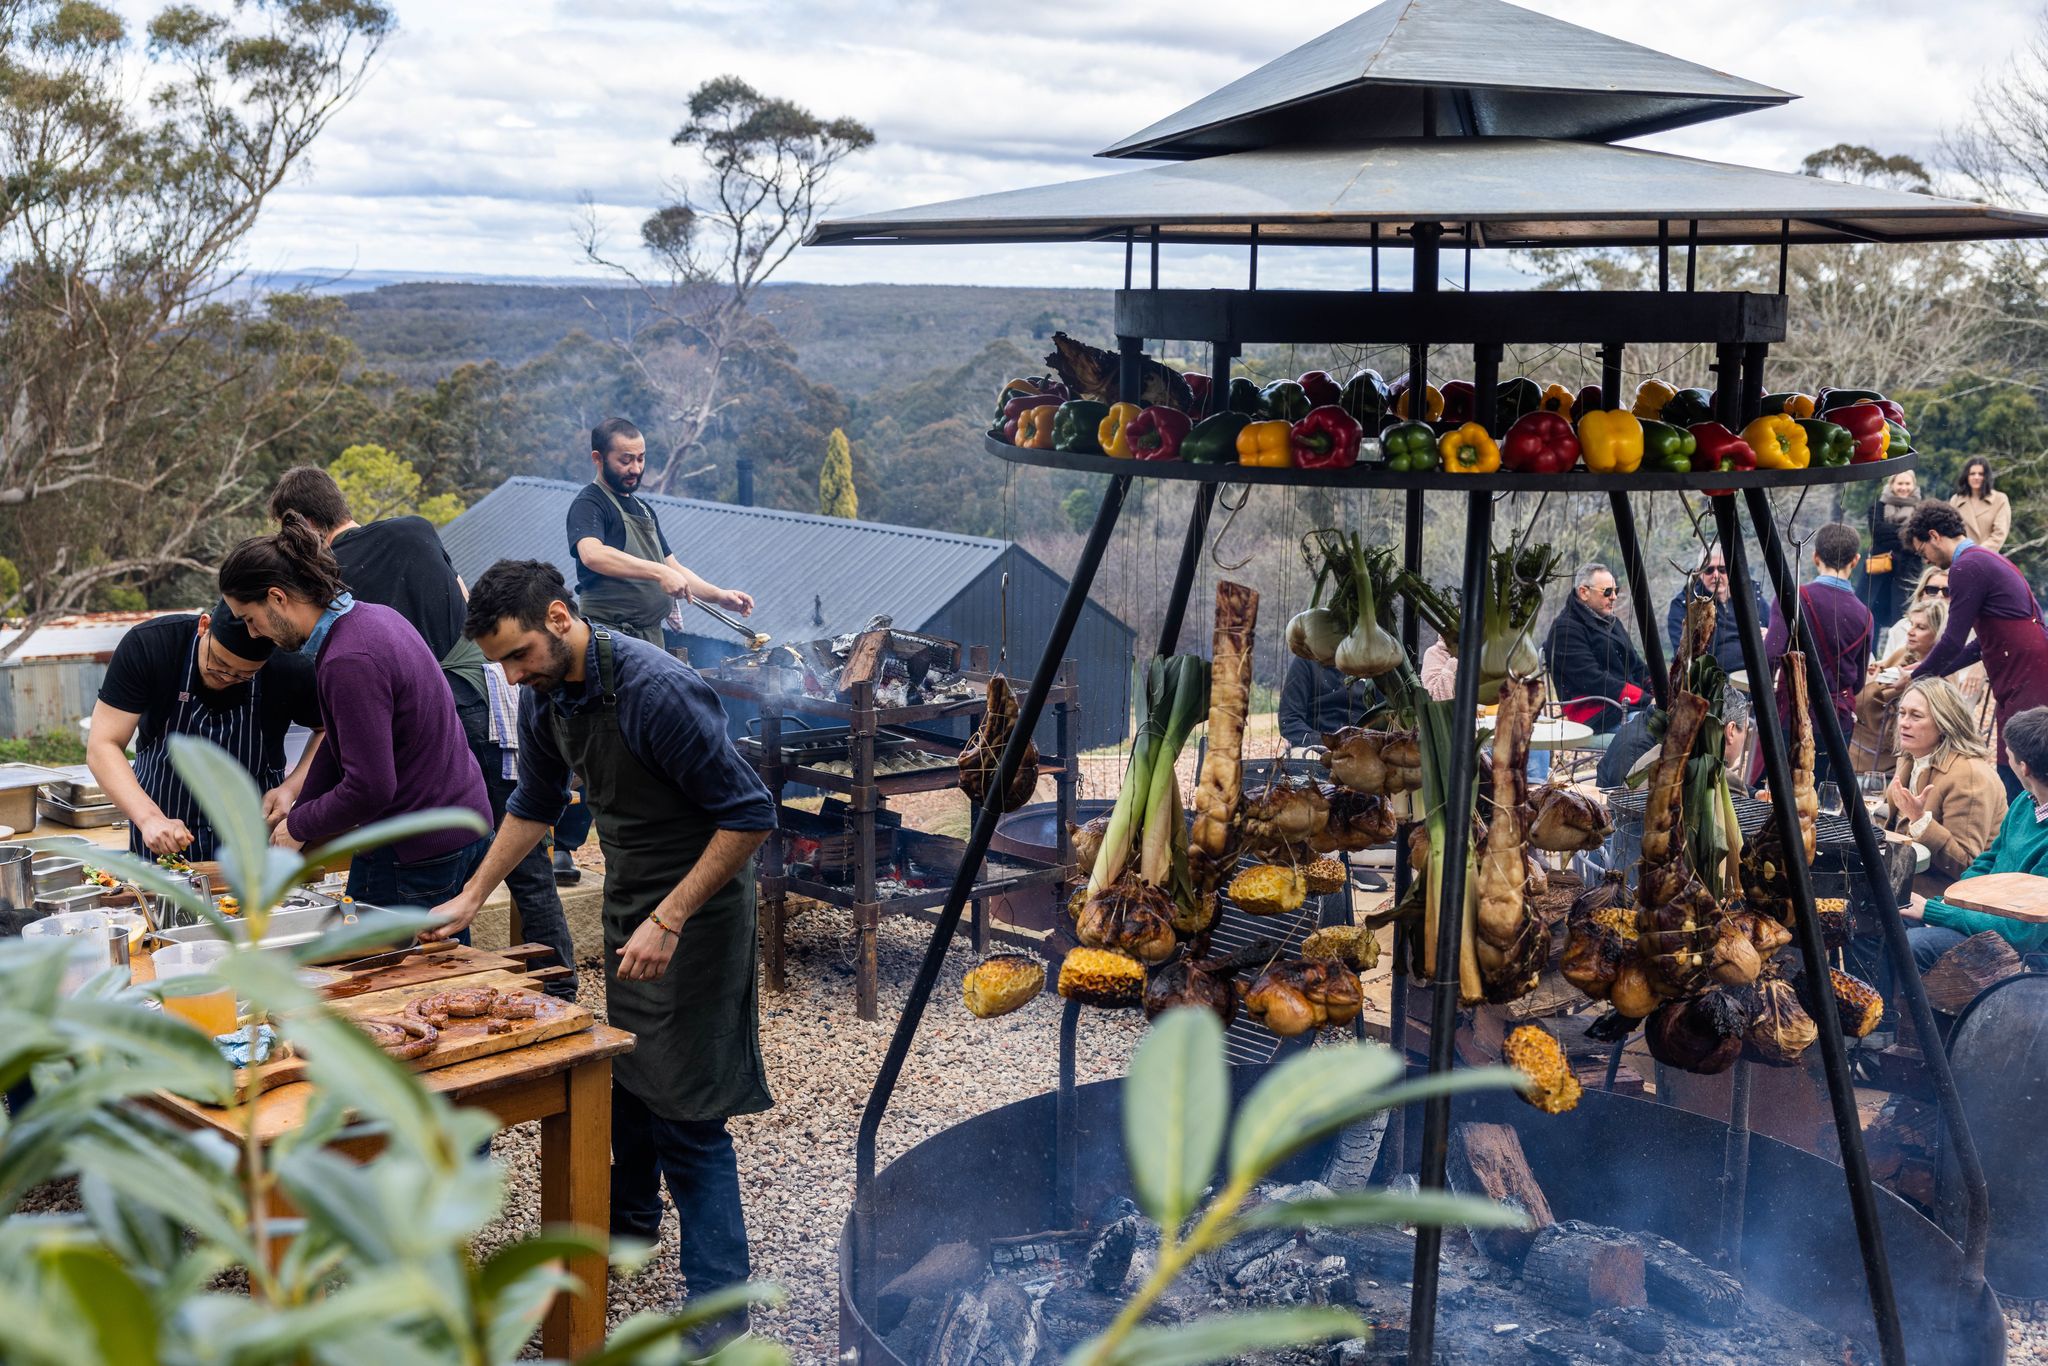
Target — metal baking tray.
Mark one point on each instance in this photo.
(80, 817)
(295, 923)
(76, 786)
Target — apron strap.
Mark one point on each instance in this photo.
(607, 669)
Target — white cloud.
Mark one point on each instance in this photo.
(486, 120)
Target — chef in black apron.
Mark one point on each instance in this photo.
(201, 675)
(626, 577)
(679, 815)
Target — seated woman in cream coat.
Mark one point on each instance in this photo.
(1947, 795)
(1873, 746)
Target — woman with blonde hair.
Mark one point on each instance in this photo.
(1890, 566)
(1986, 512)
(1947, 794)
(1873, 743)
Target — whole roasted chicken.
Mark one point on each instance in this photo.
(1564, 820)
(1378, 762)
(1296, 995)
(1356, 821)
(1131, 916)
(1289, 812)
(981, 762)
(1512, 942)
(1091, 372)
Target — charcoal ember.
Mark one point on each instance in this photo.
(992, 1326)
(1356, 1153)
(1386, 1347)
(1682, 1283)
(1379, 1252)
(1579, 1347)
(945, 1268)
(1333, 1283)
(1071, 1314)
(1109, 1256)
(1632, 1326)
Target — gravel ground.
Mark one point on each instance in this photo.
(796, 1160)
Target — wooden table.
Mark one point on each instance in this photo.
(2010, 896)
(565, 1083)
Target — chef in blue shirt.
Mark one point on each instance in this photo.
(679, 815)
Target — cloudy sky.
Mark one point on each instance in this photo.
(486, 121)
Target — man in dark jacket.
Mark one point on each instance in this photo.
(1712, 575)
(1594, 664)
(1315, 699)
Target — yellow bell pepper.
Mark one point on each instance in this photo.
(1432, 403)
(1791, 405)
(1779, 442)
(1266, 445)
(1110, 435)
(1651, 396)
(1557, 399)
(1469, 450)
(1612, 441)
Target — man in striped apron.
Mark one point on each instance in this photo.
(202, 675)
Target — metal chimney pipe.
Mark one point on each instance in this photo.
(743, 471)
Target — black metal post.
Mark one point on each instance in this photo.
(1032, 706)
(1806, 932)
(1375, 258)
(1663, 254)
(1428, 238)
(1130, 250)
(1253, 283)
(1066, 1143)
(1692, 253)
(1610, 374)
(1784, 251)
(1640, 599)
(1155, 256)
(1870, 853)
(1735, 1170)
(1130, 367)
(1190, 560)
(1396, 1140)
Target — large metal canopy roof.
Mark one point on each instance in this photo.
(1490, 69)
(1511, 192)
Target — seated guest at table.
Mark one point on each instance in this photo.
(1314, 699)
(1873, 745)
(1947, 795)
(1593, 664)
(201, 675)
(2021, 847)
(1634, 740)
(1841, 628)
(1712, 575)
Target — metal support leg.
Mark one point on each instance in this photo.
(1436, 1113)
(1884, 1304)
(1190, 561)
(1396, 1141)
(1066, 1144)
(1870, 852)
(1735, 1170)
(1639, 596)
(1031, 708)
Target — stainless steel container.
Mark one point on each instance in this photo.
(71, 899)
(17, 888)
(55, 873)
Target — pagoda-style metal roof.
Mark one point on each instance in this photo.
(1490, 69)
(1512, 192)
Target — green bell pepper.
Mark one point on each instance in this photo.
(1410, 447)
(1365, 398)
(1214, 439)
(1514, 398)
(1830, 443)
(1668, 449)
(1901, 442)
(1242, 397)
(1283, 401)
(1689, 406)
(1075, 424)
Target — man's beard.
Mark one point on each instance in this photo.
(280, 630)
(620, 483)
(557, 670)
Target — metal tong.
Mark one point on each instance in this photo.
(755, 639)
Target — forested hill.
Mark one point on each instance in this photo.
(859, 339)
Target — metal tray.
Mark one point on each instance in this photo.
(80, 817)
(76, 786)
(295, 924)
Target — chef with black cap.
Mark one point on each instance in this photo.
(198, 674)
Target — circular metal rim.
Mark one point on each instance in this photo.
(1503, 481)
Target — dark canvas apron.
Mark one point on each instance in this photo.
(635, 607)
(237, 729)
(698, 1055)
(2016, 663)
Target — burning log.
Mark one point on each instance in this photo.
(1583, 1266)
(1487, 1159)
(1682, 1283)
(943, 1269)
(1978, 962)
(992, 1326)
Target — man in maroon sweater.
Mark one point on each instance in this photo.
(1987, 595)
(382, 695)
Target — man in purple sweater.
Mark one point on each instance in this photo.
(382, 695)
(1841, 627)
(1987, 595)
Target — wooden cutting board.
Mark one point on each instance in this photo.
(456, 960)
(2015, 896)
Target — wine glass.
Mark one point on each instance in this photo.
(1830, 799)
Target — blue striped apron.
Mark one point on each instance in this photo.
(237, 729)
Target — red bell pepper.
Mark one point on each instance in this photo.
(1892, 411)
(1590, 401)
(1321, 389)
(1198, 385)
(1461, 402)
(1720, 449)
(1866, 422)
(1156, 433)
(1327, 439)
(1540, 443)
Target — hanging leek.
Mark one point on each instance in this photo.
(1148, 805)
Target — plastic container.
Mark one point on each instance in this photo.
(90, 936)
(67, 923)
(210, 1011)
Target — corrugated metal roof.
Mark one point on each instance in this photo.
(1492, 70)
(90, 636)
(1515, 191)
(786, 560)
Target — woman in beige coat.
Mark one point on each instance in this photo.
(1947, 795)
(1986, 511)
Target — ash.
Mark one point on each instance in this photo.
(1027, 1301)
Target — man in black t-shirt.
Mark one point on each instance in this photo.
(399, 562)
(627, 578)
(198, 674)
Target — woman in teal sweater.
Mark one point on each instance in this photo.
(2021, 847)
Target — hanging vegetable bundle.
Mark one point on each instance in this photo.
(1351, 632)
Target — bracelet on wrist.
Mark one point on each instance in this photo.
(663, 925)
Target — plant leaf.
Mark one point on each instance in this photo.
(633, 1337)
(1451, 1083)
(1176, 1102)
(233, 807)
(553, 1244)
(386, 930)
(1221, 1337)
(122, 1320)
(1309, 1095)
(1355, 1209)
(397, 828)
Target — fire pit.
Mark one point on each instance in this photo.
(1626, 1167)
